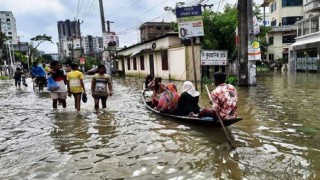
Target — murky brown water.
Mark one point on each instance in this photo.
(279, 137)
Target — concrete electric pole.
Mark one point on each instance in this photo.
(252, 68)
(102, 17)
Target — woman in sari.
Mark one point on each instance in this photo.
(168, 101)
(158, 89)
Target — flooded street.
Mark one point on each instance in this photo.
(279, 137)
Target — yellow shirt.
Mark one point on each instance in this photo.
(74, 78)
(47, 69)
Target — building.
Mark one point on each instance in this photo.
(150, 30)
(92, 45)
(68, 33)
(8, 26)
(163, 56)
(305, 52)
(283, 16)
(66, 46)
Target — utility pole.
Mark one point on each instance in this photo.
(108, 25)
(243, 43)
(102, 17)
(252, 68)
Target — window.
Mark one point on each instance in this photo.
(273, 7)
(7, 15)
(288, 39)
(9, 32)
(306, 28)
(300, 29)
(290, 20)
(270, 40)
(134, 63)
(286, 3)
(314, 25)
(164, 60)
(158, 27)
(167, 28)
(8, 20)
(274, 23)
(271, 58)
(142, 62)
(128, 63)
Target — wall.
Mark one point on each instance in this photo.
(177, 63)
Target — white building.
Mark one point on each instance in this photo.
(92, 45)
(283, 16)
(66, 46)
(305, 52)
(163, 56)
(8, 25)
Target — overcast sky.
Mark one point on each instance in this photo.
(34, 17)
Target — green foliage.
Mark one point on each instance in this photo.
(39, 39)
(219, 29)
(232, 79)
(206, 80)
(4, 77)
(47, 57)
(21, 57)
(90, 62)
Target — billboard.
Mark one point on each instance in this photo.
(109, 39)
(213, 58)
(254, 51)
(190, 23)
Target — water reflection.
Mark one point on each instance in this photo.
(278, 138)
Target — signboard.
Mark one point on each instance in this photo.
(109, 39)
(254, 52)
(190, 22)
(212, 57)
(82, 60)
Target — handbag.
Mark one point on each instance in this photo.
(52, 85)
(84, 97)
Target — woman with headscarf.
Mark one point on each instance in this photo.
(168, 101)
(188, 101)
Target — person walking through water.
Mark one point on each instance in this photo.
(99, 84)
(224, 98)
(17, 77)
(59, 77)
(75, 85)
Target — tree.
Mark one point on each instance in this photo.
(39, 39)
(47, 57)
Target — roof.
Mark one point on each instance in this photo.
(155, 23)
(265, 3)
(150, 40)
(307, 41)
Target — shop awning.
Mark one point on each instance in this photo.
(141, 51)
(307, 41)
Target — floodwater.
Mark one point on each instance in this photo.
(279, 137)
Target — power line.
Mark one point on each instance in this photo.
(144, 13)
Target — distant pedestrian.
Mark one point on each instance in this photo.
(17, 77)
(61, 93)
(75, 85)
(99, 84)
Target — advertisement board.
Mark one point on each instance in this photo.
(190, 23)
(214, 58)
(109, 39)
(254, 51)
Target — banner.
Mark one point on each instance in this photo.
(212, 57)
(190, 23)
(254, 52)
(109, 39)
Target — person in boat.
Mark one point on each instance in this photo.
(188, 101)
(158, 89)
(149, 79)
(224, 98)
(168, 101)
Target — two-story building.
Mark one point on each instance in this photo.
(305, 52)
(283, 16)
(164, 56)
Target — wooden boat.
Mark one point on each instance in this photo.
(188, 119)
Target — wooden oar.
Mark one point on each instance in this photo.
(220, 120)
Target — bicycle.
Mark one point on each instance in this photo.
(39, 83)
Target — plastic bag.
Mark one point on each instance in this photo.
(84, 97)
(52, 85)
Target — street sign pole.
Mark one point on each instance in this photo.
(194, 65)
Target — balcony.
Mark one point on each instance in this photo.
(311, 6)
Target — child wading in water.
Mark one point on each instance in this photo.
(75, 85)
(99, 84)
(17, 77)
